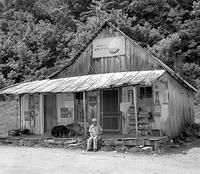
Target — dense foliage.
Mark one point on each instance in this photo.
(38, 37)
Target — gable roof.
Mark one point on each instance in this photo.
(107, 23)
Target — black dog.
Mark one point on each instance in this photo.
(59, 131)
(75, 129)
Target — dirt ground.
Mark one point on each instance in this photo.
(29, 160)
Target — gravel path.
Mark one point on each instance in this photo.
(24, 160)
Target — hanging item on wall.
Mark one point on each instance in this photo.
(26, 115)
(92, 100)
(124, 106)
(32, 121)
(164, 96)
(66, 112)
(130, 96)
(157, 105)
(92, 103)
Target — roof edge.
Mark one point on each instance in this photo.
(80, 50)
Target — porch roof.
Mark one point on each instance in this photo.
(86, 82)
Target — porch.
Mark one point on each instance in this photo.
(125, 103)
(106, 140)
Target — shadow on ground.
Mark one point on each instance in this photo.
(180, 147)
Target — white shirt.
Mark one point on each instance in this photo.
(95, 130)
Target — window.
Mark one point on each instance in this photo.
(33, 102)
(146, 92)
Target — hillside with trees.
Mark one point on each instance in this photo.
(37, 37)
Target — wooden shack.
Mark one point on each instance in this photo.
(115, 80)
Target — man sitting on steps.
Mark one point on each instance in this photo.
(95, 132)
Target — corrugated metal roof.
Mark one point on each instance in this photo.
(86, 82)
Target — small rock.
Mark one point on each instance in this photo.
(70, 142)
(174, 145)
(147, 149)
(50, 141)
(73, 145)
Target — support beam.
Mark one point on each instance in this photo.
(135, 105)
(84, 114)
(41, 115)
(20, 111)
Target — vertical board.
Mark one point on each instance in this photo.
(50, 112)
(41, 114)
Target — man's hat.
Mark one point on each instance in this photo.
(94, 120)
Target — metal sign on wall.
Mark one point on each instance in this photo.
(108, 47)
(65, 112)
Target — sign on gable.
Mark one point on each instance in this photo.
(109, 47)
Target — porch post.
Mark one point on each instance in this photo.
(135, 105)
(84, 114)
(41, 114)
(20, 111)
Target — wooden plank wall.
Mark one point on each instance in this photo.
(181, 107)
(25, 108)
(65, 101)
(125, 114)
(135, 58)
(95, 108)
(9, 116)
(50, 113)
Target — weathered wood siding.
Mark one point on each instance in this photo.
(25, 111)
(50, 113)
(93, 111)
(9, 116)
(135, 58)
(181, 108)
(124, 114)
(65, 101)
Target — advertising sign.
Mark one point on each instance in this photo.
(109, 47)
(66, 112)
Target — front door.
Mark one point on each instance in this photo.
(110, 110)
(50, 119)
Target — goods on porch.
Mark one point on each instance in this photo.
(18, 132)
(143, 122)
(131, 120)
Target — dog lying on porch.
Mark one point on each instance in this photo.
(59, 131)
(71, 130)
